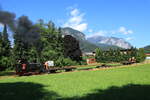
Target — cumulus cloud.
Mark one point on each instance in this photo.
(98, 33)
(120, 30)
(90, 30)
(74, 12)
(123, 30)
(76, 20)
(129, 38)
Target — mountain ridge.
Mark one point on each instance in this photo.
(110, 41)
(87, 45)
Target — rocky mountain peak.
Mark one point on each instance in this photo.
(110, 41)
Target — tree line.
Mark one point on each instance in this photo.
(120, 55)
(38, 42)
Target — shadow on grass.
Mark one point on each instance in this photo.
(128, 92)
(32, 91)
(24, 91)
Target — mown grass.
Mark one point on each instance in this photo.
(124, 83)
(92, 66)
(7, 73)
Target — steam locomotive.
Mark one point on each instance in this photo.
(25, 68)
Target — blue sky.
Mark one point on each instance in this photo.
(128, 19)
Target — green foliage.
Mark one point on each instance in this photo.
(83, 62)
(72, 48)
(140, 55)
(1, 48)
(51, 41)
(119, 55)
(34, 57)
(99, 55)
(26, 40)
(48, 54)
(60, 62)
(5, 49)
(5, 61)
(38, 42)
(5, 43)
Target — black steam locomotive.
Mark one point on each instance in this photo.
(25, 68)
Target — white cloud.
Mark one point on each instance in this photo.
(76, 20)
(99, 33)
(123, 30)
(129, 38)
(90, 30)
(81, 27)
(130, 31)
(74, 12)
(120, 30)
(1, 25)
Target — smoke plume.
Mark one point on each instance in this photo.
(8, 18)
(27, 32)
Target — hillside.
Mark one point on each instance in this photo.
(75, 33)
(147, 49)
(85, 45)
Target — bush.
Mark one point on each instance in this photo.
(83, 62)
(140, 55)
(65, 62)
(5, 61)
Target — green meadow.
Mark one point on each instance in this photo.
(120, 83)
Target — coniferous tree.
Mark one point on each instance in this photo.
(72, 48)
(110, 57)
(118, 55)
(26, 37)
(133, 52)
(99, 55)
(140, 55)
(1, 45)
(5, 42)
(5, 49)
(51, 41)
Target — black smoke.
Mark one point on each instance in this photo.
(27, 31)
(8, 18)
(22, 27)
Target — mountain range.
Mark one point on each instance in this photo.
(110, 41)
(90, 44)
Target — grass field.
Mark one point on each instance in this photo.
(124, 83)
